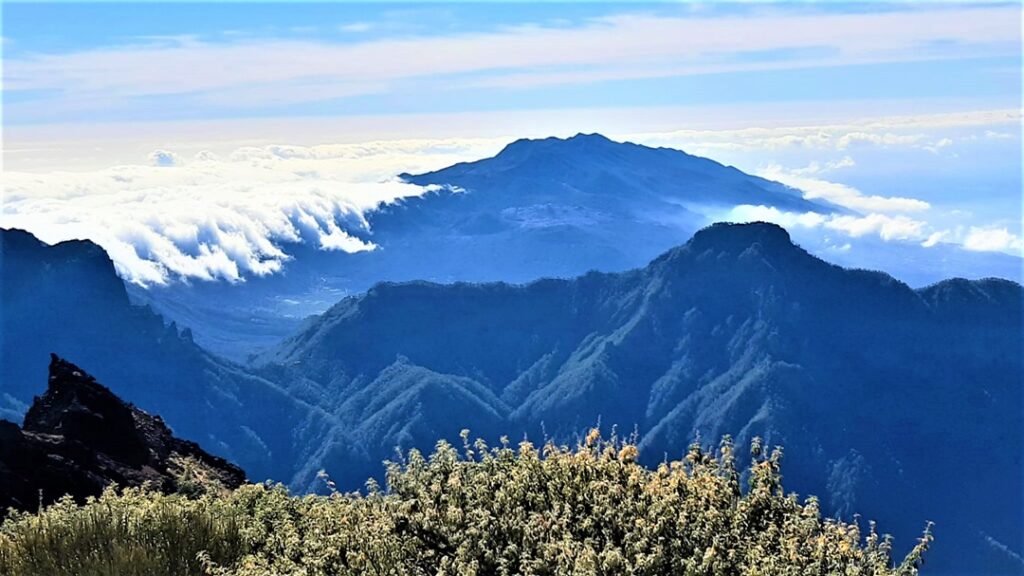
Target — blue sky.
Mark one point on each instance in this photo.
(911, 112)
(97, 62)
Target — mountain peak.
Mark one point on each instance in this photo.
(16, 238)
(77, 406)
(12, 239)
(741, 236)
(524, 147)
(588, 168)
(593, 137)
(82, 264)
(63, 372)
(733, 242)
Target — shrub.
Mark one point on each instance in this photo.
(588, 510)
(131, 532)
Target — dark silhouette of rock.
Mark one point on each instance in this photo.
(78, 438)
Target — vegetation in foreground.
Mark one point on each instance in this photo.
(588, 510)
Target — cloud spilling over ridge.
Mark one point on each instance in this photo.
(841, 194)
(887, 227)
(222, 218)
(221, 210)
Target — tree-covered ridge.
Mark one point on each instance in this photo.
(588, 510)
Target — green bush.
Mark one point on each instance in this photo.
(591, 510)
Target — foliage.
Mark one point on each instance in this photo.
(129, 533)
(588, 510)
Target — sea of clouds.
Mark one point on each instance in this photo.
(235, 213)
(223, 216)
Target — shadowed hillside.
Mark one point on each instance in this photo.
(866, 381)
(67, 299)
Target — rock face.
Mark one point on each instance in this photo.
(79, 437)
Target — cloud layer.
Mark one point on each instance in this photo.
(886, 227)
(214, 217)
(233, 213)
(841, 194)
(913, 131)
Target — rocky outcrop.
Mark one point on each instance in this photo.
(79, 437)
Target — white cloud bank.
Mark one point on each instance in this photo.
(885, 226)
(993, 240)
(841, 194)
(231, 213)
(222, 218)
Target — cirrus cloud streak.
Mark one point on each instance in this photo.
(247, 74)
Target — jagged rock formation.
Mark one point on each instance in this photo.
(78, 438)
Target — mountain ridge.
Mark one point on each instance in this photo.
(577, 204)
(739, 332)
(865, 381)
(604, 166)
(152, 363)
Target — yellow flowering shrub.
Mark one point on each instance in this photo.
(479, 510)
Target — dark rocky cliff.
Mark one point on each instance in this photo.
(78, 438)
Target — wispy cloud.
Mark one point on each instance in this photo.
(914, 131)
(841, 194)
(356, 27)
(620, 46)
(816, 167)
(886, 227)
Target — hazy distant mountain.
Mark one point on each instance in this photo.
(540, 208)
(622, 175)
(899, 404)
